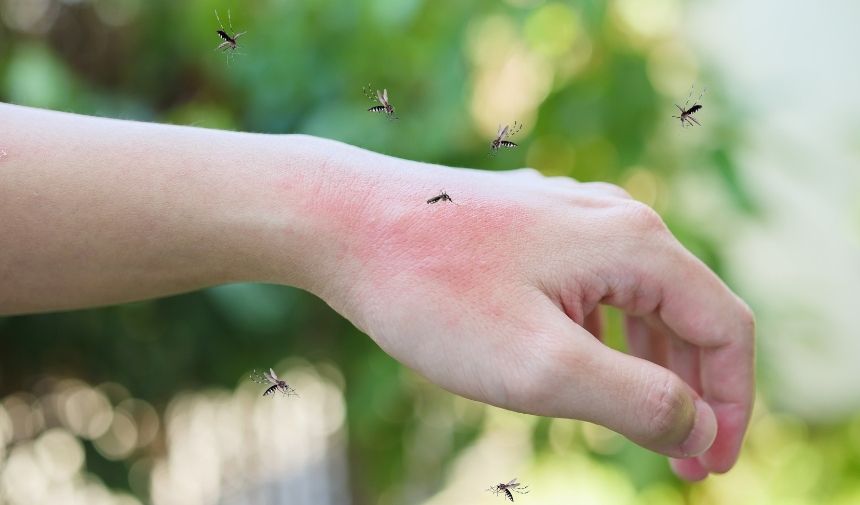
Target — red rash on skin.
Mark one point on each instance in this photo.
(458, 246)
(461, 247)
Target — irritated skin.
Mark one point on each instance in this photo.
(494, 296)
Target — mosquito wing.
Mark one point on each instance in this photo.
(504, 132)
(512, 483)
(499, 132)
(271, 376)
(385, 96)
(380, 97)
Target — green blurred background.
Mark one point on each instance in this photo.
(149, 402)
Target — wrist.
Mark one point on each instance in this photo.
(328, 205)
(290, 235)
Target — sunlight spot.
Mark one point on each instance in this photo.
(643, 185)
(509, 81)
(601, 440)
(87, 412)
(552, 155)
(672, 69)
(117, 12)
(120, 439)
(648, 20)
(34, 16)
(553, 29)
(60, 454)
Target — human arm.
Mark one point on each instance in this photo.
(98, 211)
(493, 296)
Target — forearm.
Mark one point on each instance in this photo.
(97, 211)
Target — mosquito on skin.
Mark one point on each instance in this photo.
(441, 197)
(229, 44)
(382, 99)
(275, 383)
(505, 133)
(686, 114)
(506, 489)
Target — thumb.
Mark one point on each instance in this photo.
(643, 401)
(653, 407)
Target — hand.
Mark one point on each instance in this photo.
(496, 297)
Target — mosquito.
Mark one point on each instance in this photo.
(686, 114)
(275, 384)
(230, 41)
(505, 133)
(382, 99)
(513, 485)
(441, 197)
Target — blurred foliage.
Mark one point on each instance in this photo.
(593, 81)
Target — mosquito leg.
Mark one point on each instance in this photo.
(689, 96)
(219, 20)
(368, 92)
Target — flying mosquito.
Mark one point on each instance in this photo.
(505, 133)
(686, 114)
(506, 489)
(229, 44)
(441, 197)
(274, 382)
(382, 99)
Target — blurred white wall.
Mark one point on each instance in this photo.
(794, 66)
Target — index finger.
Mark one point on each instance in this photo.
(700, 309)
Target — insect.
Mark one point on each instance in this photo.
(274, 382)
(441, 197)
(229, 41)
(504, 133)
(382, 99)
(506, 489)
(686, 114)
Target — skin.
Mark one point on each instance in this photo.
(495, 296)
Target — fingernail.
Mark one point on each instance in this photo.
(704, 430)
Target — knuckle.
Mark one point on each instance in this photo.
(528, 172)
(642, 218)
(746, 320)
(747, 317)
(563, 180)
(612, 190)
